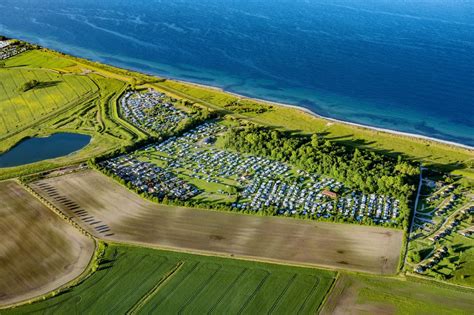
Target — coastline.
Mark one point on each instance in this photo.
(329, 119)
(275, 103)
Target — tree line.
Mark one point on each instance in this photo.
(364, 170)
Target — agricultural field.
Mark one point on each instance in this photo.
(140, 280)
(55, 91)
(69, 98)
(364, 294)
(39, 251)
(112, 212)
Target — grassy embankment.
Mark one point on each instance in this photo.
(141, 280)
(69, 99)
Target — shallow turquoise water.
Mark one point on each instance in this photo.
(37, 149)
(403, 65)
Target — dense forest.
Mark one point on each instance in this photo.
(364, 170)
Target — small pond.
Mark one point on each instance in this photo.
(37, 149)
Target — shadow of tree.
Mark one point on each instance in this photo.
(47, 84)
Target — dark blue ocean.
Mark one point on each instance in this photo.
(404, 65)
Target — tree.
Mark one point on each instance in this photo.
(2, 64)
(29, 85)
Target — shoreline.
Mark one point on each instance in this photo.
(275, 103)
(330, 119)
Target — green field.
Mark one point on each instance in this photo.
(69, 98)
(143, 280)
(56, 91)
(359, 294)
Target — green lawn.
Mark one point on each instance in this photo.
(148, 280)
(463, 275)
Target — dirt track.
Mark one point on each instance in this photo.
(38, 250)
(110, 211)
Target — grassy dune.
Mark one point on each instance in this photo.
(146, 280)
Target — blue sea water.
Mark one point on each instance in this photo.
(403, 65)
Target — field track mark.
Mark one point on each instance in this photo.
(199, 290)
(56, 105)
(64, 109)
(316, 284)
(150, 294)
(252, 296)
(12, 105)
(46, 91)
(15, 109)
(183, 280)
(278, 299)
(227, 290)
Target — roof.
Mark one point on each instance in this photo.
(329, 193)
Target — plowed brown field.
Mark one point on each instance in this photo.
(38, 250)
(110, 211)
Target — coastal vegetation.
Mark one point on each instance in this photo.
(361, 169)
(437, 155)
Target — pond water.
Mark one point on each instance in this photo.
(37, 149)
